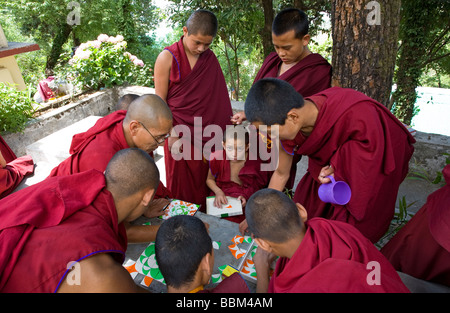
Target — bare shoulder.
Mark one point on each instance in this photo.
(98, 273)
(164, 59)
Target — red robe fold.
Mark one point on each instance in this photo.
(367, 147)
(333, 257)
(251, 176)
(198, 92)
(309, 76)
(422, 247)
(54, 222)
(15, 171)
(94, 149)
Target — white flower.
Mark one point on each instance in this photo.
(82, 54)
(116, 39)
(102, 37)
(138, 62)
(95, 44)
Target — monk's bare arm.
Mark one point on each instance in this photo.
(141, 233)
(281, 175)
(98, 274)
(163, 65)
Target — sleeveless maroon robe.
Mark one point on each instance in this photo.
(309, 76)
(421, 248)
(57, 221)
(198, 92)
(367, 147)
(333, 257)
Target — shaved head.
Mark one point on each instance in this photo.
(202, 22)
(273, 216)
(130, 171)
(149, 109)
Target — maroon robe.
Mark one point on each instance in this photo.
(94, 149)
(251, 176)
(309, 76)
(15, 171)
(198, 92)
(52, 223)
(233, 284)
(334, 257)
(367, 147)
(421, 248)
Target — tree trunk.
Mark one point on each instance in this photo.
(365, 39)
(266, 32)
(60, 39)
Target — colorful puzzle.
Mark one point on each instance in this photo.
(236, 251)
(146, 265)
(180, 207)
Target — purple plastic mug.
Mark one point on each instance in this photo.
(336, 192)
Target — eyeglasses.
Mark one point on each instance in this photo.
(160, 141)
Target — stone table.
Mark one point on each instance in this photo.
(220, 230)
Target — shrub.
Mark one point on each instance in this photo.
(106, 63)
(16, 108)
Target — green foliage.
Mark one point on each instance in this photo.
(424, 34)
(105, 62)
(16, 108)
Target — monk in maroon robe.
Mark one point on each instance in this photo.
(75, 223)
(346, 134)
(120, 130)
(234, 172)
(317, 255)
(421, 248)
(293, 62)
(12, 169)
(184, 253)
(189, 77)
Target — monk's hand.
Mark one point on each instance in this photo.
(243, 227)
(263, 260)
(220, 199)
(243, 201)
(238, 118)
(156, 207)
(324, 172)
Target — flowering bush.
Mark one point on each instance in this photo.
(104, 62)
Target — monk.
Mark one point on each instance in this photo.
(421, 248)
(293, 62)
(66, 233)
(233, 172)
(12, 169)
(145, 125)
(185, 256)
(124, 101)
(316, 255)
(190, 79)
(345, 134)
